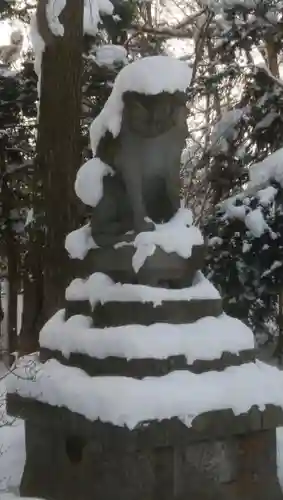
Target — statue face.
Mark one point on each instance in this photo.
(153, 115)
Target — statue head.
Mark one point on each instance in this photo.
(152, 90)
(153, 115)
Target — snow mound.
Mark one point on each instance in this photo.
(177, 235)
(80, 289)
(89, 181)
(92, 11)
(254, 219)
(207, 338)
(12, 454)
(100, 288)
(109, 55)
(224, 129)
(150, 75)
(38, 47)
(267, 195)
(124, 401)
(53, 11)
(79, 242)
(270, 168)
(256, 223)
(12, 444)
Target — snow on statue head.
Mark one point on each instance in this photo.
(134, 178)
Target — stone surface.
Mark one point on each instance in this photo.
(149, 367)
(257, 469)
(222, 456)
(73, 307)
(157, 269)
(88, 471)
(175, 312)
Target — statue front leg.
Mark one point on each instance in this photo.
(133, 182)
(173, 186)
(110, 218)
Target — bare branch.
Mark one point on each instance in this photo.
(164, 32)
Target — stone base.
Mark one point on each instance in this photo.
(220, 457)
(60, 467)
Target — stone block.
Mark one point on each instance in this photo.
(158, 268)
(74, 307)
(175, 312)
(61, 465)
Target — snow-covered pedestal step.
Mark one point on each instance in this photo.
(214, 424)
(171, 253)
(120, 264)
(115, 313)
(249, 396)
(139, 351)
(114, 304)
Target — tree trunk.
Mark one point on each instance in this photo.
(58, 147)
(57, 161)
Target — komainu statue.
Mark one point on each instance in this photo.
(144, 154)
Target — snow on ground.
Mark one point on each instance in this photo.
(12, 446)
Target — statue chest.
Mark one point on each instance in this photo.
(149, 156)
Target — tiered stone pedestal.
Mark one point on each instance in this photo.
(220, 456)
